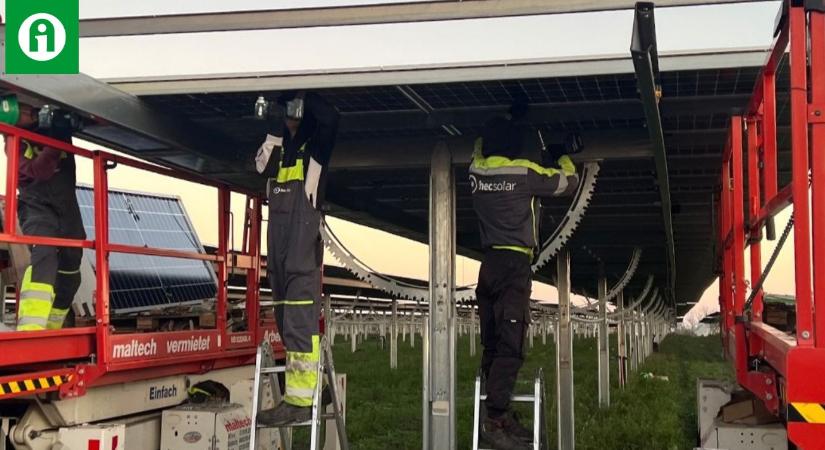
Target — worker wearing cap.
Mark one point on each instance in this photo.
(505, 191)
(47, 207)
(294, 156)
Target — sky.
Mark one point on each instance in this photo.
(522, 38)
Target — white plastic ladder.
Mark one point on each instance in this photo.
(265, 367)
(537, 399)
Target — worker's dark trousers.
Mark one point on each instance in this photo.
(294, 268)
(503, 292)
(54, 271)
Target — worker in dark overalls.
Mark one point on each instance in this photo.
(47, 206)
(294, 157)
(506, 191)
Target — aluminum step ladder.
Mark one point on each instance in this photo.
(265, 367)
(537, 399)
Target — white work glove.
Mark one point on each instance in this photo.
(265, 151)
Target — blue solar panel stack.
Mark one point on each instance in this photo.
(142, 282)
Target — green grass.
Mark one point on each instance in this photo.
(384, 405)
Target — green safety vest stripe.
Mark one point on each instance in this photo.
(32, 151)
(495, 162)
(526, 250)
(293, 173)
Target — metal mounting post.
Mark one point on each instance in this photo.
(440, 419)
(604, 347)
(564, 356)
(621, 338)
(394, 336)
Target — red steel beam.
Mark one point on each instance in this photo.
(777, 203)
(799, 156)
(101, 199)
(137, 250)
(817, 119)
(755, 206)
(45, 240)
(769, 146)
(224, 211)
(12, 176)
(28, 347)
(738, 248)
(780, 44)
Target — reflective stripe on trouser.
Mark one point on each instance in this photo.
(45, 210)
(56, 318)
(35, 303)
(302, 375)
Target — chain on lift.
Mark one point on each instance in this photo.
(758, 286)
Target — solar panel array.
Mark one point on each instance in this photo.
(696, 107)
(144, 282)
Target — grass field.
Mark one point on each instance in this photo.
(384, 405)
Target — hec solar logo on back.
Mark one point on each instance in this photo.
(42, 37)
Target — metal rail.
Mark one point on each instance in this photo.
(433, 10)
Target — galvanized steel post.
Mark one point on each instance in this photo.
(441, 409)
(564, 356)
(604, 347)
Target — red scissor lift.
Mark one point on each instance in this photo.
(72, 360)
(784, 370)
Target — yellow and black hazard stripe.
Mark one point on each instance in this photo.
(806, 412)
(30, 385)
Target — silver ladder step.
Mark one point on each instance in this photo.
(537, 399)
(515, 398)
(265, 367)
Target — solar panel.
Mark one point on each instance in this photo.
(143, 282)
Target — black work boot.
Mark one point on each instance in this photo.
(514, 427)
(284, 414)
(494, 434)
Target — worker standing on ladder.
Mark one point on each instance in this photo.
(47, 206)
(505, 198)
(294, 157)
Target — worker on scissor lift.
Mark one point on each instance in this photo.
(294, 157)
(47, 206)
(505, 198)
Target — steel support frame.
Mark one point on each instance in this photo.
(786, 362)
(645, 55)
(36, 354)
(440, 371)
(564, 356)
(604, 347)
(621, 340)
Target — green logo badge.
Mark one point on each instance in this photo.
(42, 36)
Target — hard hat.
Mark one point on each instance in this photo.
(9, 109)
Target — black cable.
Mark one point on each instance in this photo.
(758, 286)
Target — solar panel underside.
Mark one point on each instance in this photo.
(143, 282)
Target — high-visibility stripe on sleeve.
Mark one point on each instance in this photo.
(482, 163)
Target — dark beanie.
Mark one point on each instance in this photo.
(501, 137)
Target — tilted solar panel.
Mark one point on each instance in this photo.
(142, 282)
